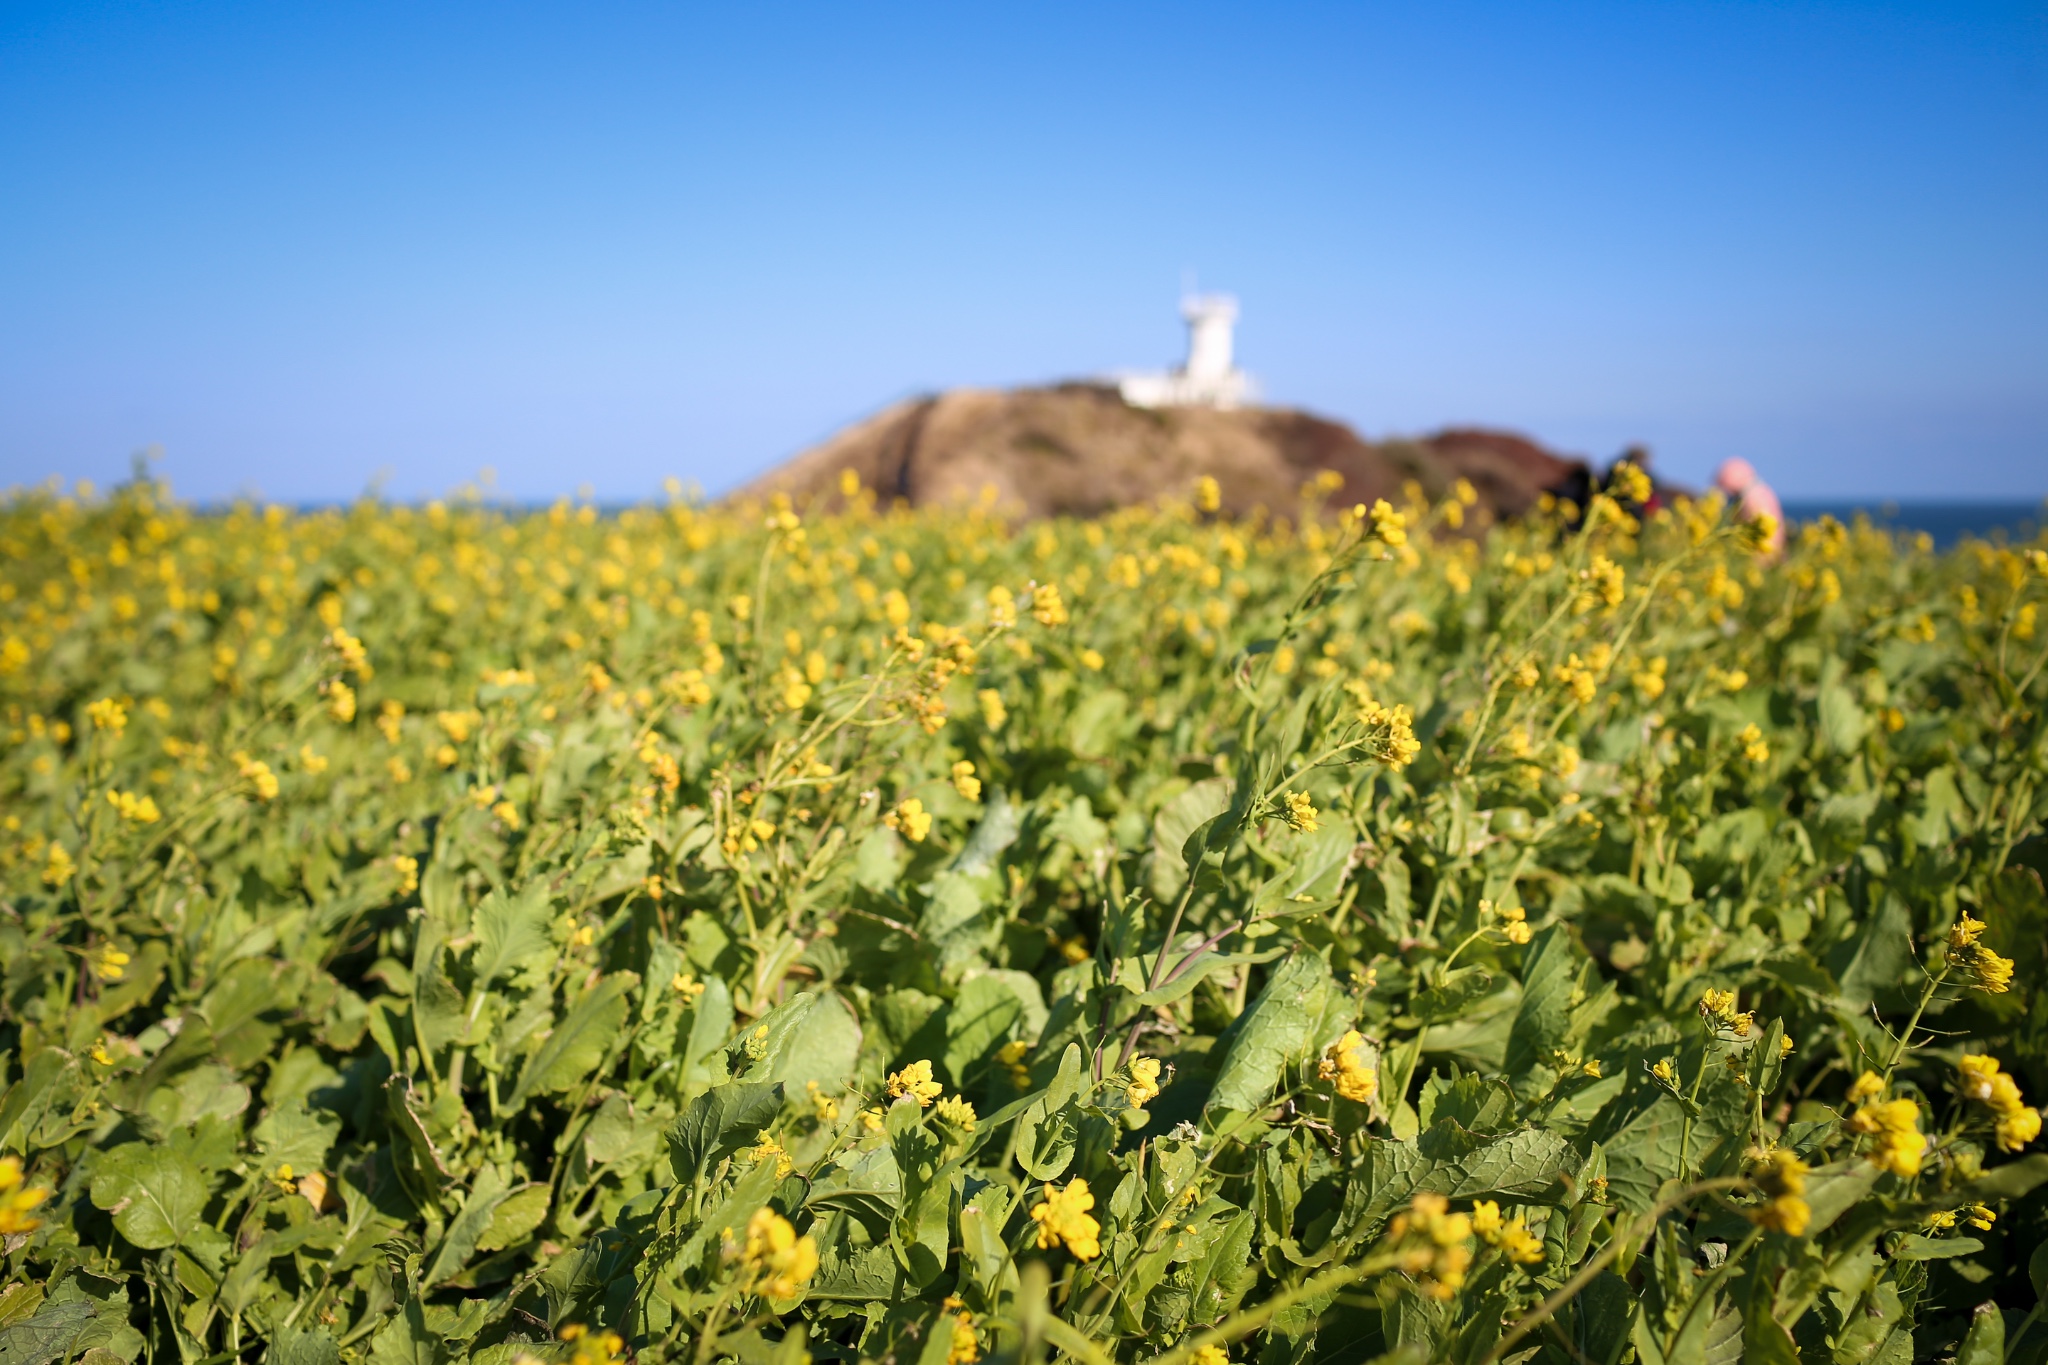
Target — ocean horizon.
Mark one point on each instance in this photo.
(1945, 520)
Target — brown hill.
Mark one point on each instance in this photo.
(1079, 450)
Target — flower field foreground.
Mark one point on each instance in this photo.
(750, 934)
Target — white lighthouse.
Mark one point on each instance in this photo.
(1210, 378)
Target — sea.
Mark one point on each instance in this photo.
(1947, 522)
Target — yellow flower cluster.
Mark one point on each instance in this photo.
(1144, 1085)
(592, 1348)
(108, 963)
(1577, 678)
(1514, 921)
(910, 819)
(965, 782)
(1628, 479)
(1602, 583)
(778, 1262)
(770, 1152)
(1350, 1063)
(1781, 1178)
(1718, 1009)
(258, 775)
(1433, 1244)
(1755, 747)
(1389, 526)
(955, 1110)
(140, 810)
(108, 714)
(1512, 1236)
(1062, 1216)
(1389, 733)
(963, 1347)
(17, 1201)
(916, 1082)
(2016, 1122)
(1895, 1124)
(1010, 1056)
(1299, 812)
(1987, 971)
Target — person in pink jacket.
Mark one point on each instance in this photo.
(1753, 497)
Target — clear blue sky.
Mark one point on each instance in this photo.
(303, 246)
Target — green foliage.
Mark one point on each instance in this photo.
(898, 936)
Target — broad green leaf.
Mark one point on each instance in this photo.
(467, 1228)
(820, 1046)
(1984, 1343)
(515, 1217)
(512, 935)
(1914, 1247)
(290, 1346)
(980, 1019)
(155, 1195)
(1549, 973)
(579, 1042)
(1277, 1029)
(720, 1122)
(1181, 817)
(1454, 996)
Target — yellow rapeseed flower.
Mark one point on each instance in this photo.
(1299, 812)
(1062, 1216)
(916, 1082)
(910, 819)
(1144, 1086)
(1350, 1063)
(139, 810)
(779, 1263)
(1781, 1178)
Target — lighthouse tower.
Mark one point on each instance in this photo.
(1210, 377)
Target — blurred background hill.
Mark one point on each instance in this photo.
(1080, 449)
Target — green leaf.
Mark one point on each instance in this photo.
(405, 1340)
(401, 1103)
(1842, 722)
(579, 1042)
(1914, 1247)
(50, 1335)
(995, 831)
(1879, 956)
(980, 1020)
(823, 1045)
(1764, 1341)
(718, 1123)
(157, 1197)
(1833, 1190)
(2009, 1181)
(290, 1346)
(467, 1228)
(1452, 997)
(1046, 1141)
(1549, 973)
(1178, 820)
(1984, 1343)
(515, 1217)
(1277, 1029)
(512, 935)
(296, 1136)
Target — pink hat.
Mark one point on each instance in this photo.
(1734, 475)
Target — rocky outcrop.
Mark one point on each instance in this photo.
(1080, 450)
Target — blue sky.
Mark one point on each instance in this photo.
(304, 247)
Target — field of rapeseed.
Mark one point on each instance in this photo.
(768, 934)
